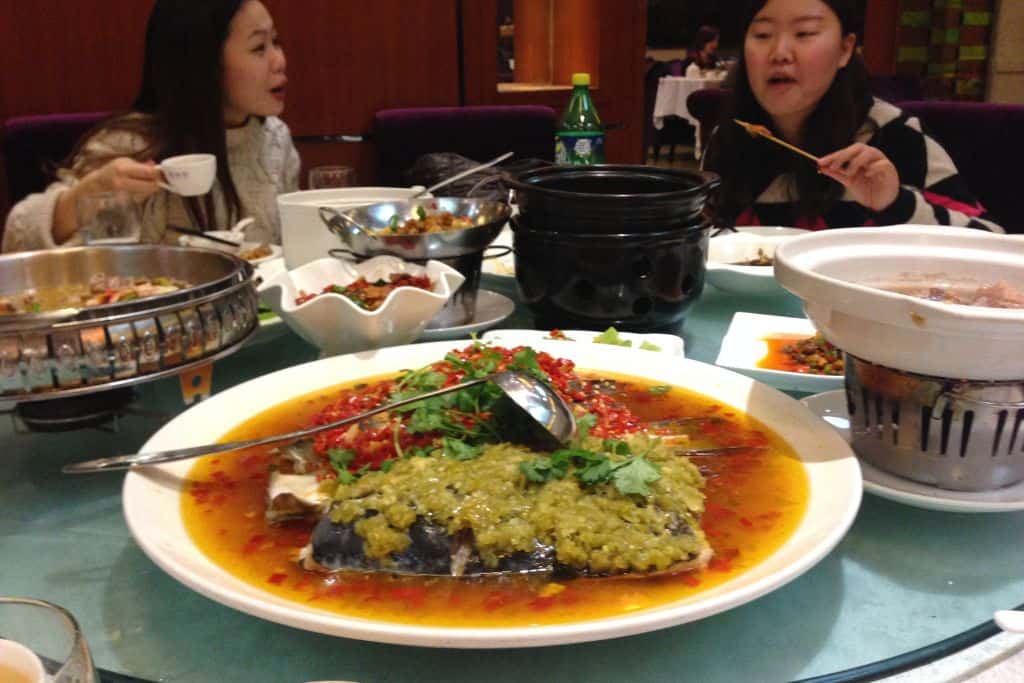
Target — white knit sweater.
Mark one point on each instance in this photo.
(263, 163)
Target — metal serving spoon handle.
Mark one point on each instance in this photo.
(123, 462)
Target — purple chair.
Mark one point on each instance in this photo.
(985, 141)
(481, 133)
(896, 88)
(35, 145)
(706, 106)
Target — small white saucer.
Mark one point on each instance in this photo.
(491, 309)
(831, 407)
(744, 345)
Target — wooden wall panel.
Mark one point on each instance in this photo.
(881, 27)
(620, 75)
(533, 57)
(60, 56)
(576, 25)
(348, 59)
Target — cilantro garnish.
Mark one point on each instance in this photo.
(460, 450)
(584, 424)
(340, 459)
(630, 476)
(633, 476)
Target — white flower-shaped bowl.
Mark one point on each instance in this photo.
(729, 249)
(335, 324)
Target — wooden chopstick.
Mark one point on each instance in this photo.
(763, 132)
(200, 233)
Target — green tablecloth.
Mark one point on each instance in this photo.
(902, 578)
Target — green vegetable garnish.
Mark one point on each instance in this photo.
(634, 476)
(659, 389)
(460, 450)
(340, 459)
(421, 213)
(648, 346)
(612, 336)
(630, 475)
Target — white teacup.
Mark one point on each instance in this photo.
(189, 174)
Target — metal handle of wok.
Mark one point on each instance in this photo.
(501, 249)
(340, 224)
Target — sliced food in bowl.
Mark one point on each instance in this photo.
(369, 295)
(426, 222)
(813, 355)
(341, 307)
(942, 288)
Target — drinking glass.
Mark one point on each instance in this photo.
(331, 176)
(109, 218)
(49, 632)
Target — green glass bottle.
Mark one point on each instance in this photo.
(580, 136)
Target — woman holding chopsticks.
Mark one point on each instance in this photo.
(213, 82)
(813, 149)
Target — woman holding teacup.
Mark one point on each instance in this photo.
(213, 85)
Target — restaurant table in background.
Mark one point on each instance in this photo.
(902, 579)
(673, 92)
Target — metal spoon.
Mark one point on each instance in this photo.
(463, 174)
(550, 420)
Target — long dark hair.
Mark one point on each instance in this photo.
(181, 97)
(705, 34)
(748, 165)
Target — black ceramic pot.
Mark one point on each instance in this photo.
(612, 199)
(635, 282)
(611, 245)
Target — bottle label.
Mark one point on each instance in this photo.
(579, 149)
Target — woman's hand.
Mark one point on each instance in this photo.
(139, 179)
(866, 172)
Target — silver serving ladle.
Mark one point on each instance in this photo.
(549, 419)
(459, 176)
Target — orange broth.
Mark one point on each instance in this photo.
(754, 503)
(777, 358)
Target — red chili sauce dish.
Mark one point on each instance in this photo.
(806, 355)
(429, 515)
(369, 295)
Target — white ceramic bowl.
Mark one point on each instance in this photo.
(728, 249)
(304, 236)
(335, 325)
(833, 270)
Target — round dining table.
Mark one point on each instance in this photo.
(905, 585)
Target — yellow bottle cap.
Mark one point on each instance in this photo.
(581, 79)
